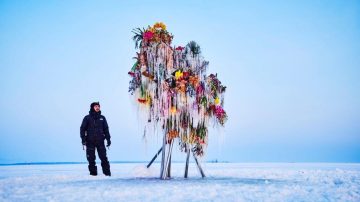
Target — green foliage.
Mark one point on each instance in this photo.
(138, 37)
(193, 47)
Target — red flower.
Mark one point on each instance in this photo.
(186, 74)
(141, 100)
(180, 48)
(199, 90)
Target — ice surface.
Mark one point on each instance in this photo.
(224, 182)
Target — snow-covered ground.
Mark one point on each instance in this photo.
(224, 182)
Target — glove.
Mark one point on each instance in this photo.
(83, 141)
(108, 143)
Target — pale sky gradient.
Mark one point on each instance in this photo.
(292, 71)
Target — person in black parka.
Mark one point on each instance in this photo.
(93, 131)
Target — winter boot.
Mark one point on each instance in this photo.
(93, 170)
(106, 168)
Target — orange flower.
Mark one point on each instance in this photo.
(147, 74)
(172, 134)
(193, 80)
(159, 25)
(173, 110)
(181, 86)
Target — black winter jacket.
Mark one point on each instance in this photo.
(94, 127)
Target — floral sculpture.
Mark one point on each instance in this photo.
(173, 92)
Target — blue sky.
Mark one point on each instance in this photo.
(292, 71)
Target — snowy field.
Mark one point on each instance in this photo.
(224, 182)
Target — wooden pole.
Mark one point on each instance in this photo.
(163, 156)
(153, 159)
(198, 165)
(169, 167)
(187, 160)
(166, 164)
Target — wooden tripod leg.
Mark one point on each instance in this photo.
(166, 164)
(198, 165)
(163, 157)
(187, 161)
(153, 159)
(169, 167)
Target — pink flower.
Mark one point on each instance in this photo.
(219, 111)
(220, 114)
(131, 74)
(148, 35)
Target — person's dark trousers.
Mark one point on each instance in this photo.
(90, 154)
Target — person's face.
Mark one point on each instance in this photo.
(97, 108)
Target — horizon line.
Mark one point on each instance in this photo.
(120, 162)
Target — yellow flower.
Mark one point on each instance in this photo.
(148, 99)
(217, 100)
(178, 74)
(159, 25)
